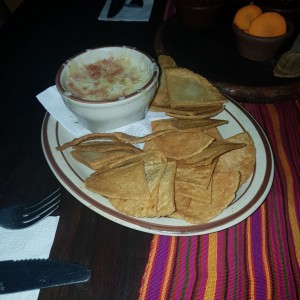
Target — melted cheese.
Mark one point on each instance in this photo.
(105, 79)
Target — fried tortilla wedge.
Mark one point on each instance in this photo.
(140, 209)
(189, 89)
(161, 98)
(181, 145)
(150, 156)
(214, 132)
(186, 125)
(242, 159)
(193, 191)
(96, 155)
(115, 136)
(106, 146)
(195, 211)
(166, 193)
(197, 116)
(153, 173)
(126, 182)
(190, 111)
(193, 182)
(149, 146)
(97, 160)
(166, 61)
(210, 153)
(160, 178)
(200, 175)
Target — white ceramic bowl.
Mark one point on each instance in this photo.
(101, 115)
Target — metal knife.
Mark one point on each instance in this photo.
(115, 7)
(23, 275)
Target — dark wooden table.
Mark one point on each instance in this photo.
(34, 42)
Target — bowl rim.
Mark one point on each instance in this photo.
(62, 90)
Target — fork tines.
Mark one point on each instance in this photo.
(43, 208)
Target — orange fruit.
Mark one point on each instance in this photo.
(246, 15)
(268, 24)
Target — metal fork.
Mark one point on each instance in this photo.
(25, 215)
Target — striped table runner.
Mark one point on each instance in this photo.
(255, 259)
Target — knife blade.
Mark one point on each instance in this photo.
(24, 275)
(115, 7)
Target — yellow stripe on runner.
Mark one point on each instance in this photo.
(149, 267)
(169, 268)
(289, 180)
(265, 255)
(212, 264)
(250, 260)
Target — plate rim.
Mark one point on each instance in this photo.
(140, 223)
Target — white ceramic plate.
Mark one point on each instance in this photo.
(250, 196)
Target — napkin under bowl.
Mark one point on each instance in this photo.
(52, 102)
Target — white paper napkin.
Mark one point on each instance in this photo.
(32, 242)
(53, 103)
(133, 14)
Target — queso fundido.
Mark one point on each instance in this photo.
(105, 79)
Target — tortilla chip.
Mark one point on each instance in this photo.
(197, 110)
(149, 146)
(181, 145)
(224, 187)
(194, 183)
(161, 97)
(163, 124)
(160, 180)
(208, 113)
(214, 132)
(96, 160)
(186, 125)
(166, 194)
(140, 209)
(115, 136)
(154, 157)
(105, 146)
(201, 124)
(95, 154)
(153, 175)
(127, 182)
(190, 111)
(242, 159)
(199, 175)
(166, 61)
(209, 154)
(198, 192)
(189, 89)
